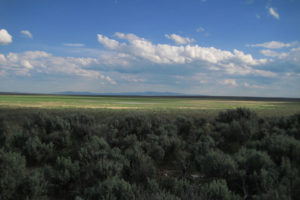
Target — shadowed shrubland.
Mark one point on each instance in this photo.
(47, 154)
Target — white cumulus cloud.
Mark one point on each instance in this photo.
(32, 62)
(26, 33)
(109, 43)
(274, 13)
(247, 85)
(110, 80)
(27, 64)
(73, 44)
(272, 45)
(236, 62)
(5, 37)
(270, 53)
(231, 82)
(179, 39)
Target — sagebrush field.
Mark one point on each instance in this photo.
(140, 155)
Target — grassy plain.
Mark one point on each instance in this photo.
(206, 105)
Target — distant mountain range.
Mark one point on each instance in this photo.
(148, 93)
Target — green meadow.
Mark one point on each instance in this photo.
(207, 105)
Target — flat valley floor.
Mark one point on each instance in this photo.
(205, 105)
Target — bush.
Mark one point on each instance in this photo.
(218, 189)
(112, 188)
(36, 151)
(279, 146)
(94, 149)
(12, 172)
(216, 164)
(257, 173)
(64, 175)
(237, 114)
(33, 186)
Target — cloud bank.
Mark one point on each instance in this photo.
(273, 45)
(179, 39)
(235, 62)
(40, 62)
(130, 61)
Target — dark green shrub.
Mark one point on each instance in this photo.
(59, 139)
(216, 164)
(112, 188)
(185, 189)
(33, 186)
(140, 166)
(81, 125)
(237, 114)
(37, 151)
(12, 172)
(217, 190)
(64, 175)
(204, 145)
(94, 149)
(3, 133)
(257, 173)
(184, 126)
(279, 146)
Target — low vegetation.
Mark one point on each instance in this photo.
(46, 154)
(204, 105)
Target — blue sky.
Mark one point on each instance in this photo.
(208, 47)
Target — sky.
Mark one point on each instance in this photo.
(199, 47)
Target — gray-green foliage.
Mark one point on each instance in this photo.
(218, 190)
(12, 172)
(216, 164)
(135, 155)
(112, 188)
(33, 186)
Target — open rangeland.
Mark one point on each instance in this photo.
(263, 106)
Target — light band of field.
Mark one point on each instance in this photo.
(147, 103)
